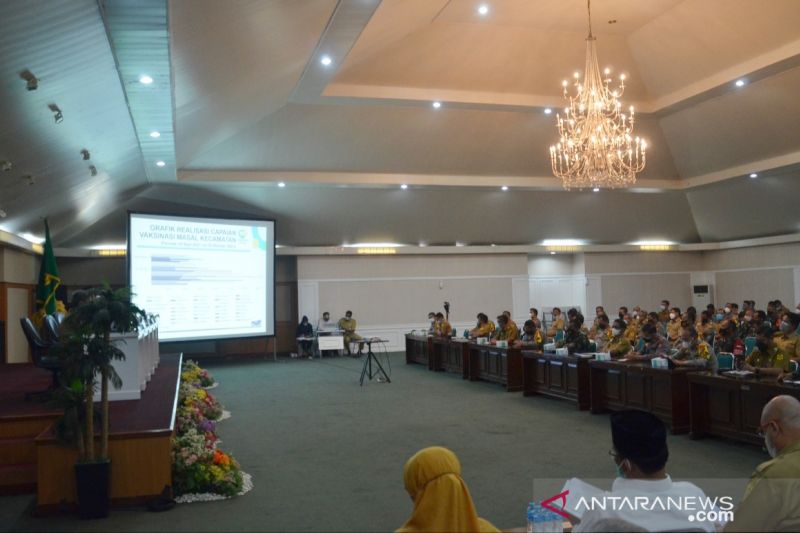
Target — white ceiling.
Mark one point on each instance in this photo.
(243, 103)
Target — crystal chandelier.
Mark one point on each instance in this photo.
(596, 147)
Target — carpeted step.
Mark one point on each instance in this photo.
(17, 450)
(18, 479)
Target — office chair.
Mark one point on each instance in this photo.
(40, 352)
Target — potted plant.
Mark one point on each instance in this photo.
(87, 352)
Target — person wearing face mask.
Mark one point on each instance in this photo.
(654, 344)
(599, 327)
(693, 352)
(619, 345)
(652, 318)
(442, 327)
(574, 339)
(771, 500)
(732, 313)
(623, 311)
(640, 455)
(746, 325)
(674, 325)
(531, 337)
(726, 337)
(432, 319)
(766, 359)
(787, 339)
(557, 324)
(535, 318)
(506, 330)
(602, 333)
(631, 329)
(663, 312)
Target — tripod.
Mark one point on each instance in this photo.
(367, 369)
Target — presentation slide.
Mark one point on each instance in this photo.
(205, 278)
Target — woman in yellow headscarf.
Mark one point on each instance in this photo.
(441, 499)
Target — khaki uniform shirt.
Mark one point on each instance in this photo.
(509, 333)
(442, 329)
(674, 329)
(618, 346)
(347, 324)
(789, 344)
(772, 499)
(663, 316)
(484, 330)
(556, 325)
(774, 358)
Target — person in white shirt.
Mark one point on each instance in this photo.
(325, 324)
(640, 455)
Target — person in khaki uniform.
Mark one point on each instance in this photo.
(693, 351)
(771, 500)
(348, 325)
(531, 336)
(506, 331)
(484, 328)
(766, 358)
(619, 345)
(442, 327)
(557, 324)
(788, 340)
(663, 312)
(674, 325)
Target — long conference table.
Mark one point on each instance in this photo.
(687, 400)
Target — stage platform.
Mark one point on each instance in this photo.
(31, 459)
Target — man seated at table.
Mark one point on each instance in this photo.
(484, 328)
(305, 337)
(654, 345)
(663, 312)
(693, 351)
(506, 331)
(575, 340)
(772, 498)
(572, 314)
(325, 324)
(787, 339)
(619, 345)
(726, 338)
(348, 326)
(766, 359)
(746, 326)
(442, 327)
(432, 320)
(535, 317)
(600, 332)
(531, 336)
(640, 455)
(557, 324)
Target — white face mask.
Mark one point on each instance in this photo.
(727, 309)
(748, 318)
(635, 315)
(663, 307)
(616, 332)
(686, 344)
(673, 316)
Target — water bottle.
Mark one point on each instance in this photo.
(541, 520)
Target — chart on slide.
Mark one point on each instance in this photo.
(204, 278)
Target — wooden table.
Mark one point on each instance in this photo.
(451, 355)
(731, 407)
(498, 365)
(558, 376)
(418, 350)
(617, 385)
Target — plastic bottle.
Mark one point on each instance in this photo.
(541, 520)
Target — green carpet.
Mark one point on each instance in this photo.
(328, 455)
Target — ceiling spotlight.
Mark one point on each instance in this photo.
(504, 188)
(437, 105)
(326, 60)
(145, 79)
(6, 166)
(753, 175)
(483, 9)
(596, 189)
(58, 116)
(32, 82)
(155, 134)
(160, 163)
(93, 170)
(547, 110)
(404, 186)
(85, 154)
(552, 253)
(740, 83)
(281, 184)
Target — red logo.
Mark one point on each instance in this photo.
(558, 510)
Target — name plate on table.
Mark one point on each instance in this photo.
(549, 347)
(562, 351)
(331, 342)
(502, 344)
(482, 340)
(659, 362)
(601, 356)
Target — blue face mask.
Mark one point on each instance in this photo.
(719, 317)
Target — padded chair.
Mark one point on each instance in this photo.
(559, 335)
(639, 346)
(40, 351)
(51, 329)
(749, 345)
(725, 361)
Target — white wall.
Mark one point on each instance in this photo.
(18, 268)
(390, 295)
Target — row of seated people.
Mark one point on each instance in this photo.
(346, 326)
(769, 339)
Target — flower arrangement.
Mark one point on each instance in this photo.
(199, 466)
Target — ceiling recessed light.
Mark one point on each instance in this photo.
(160, 163)
(145, 79)
(596, 189)
(281, 184)
(483, 9)
(404, 186)
(740, 83)
(155, 134)
(552, 253)
(504, 188)
(753, 175)
(459, 244)
(437, 105)
(326, 60)
(547, 110)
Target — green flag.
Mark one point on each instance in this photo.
(49, 280)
